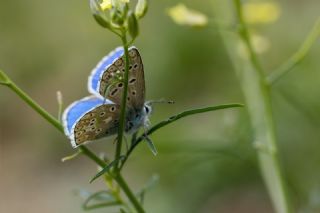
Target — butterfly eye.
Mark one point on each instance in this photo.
(147, 109)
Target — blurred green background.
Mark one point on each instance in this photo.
(206, 163)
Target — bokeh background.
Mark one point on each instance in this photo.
(206, 163)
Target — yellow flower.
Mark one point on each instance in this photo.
(184, 16)
(106, 5)
(260, 45)
(263, 12)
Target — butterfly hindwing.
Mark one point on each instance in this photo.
(89, 119)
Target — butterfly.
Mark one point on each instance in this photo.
(98, 115)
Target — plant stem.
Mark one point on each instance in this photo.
(35, 106)
(135, 141)
(296, 58)
(258, 100)
(128, 192)
(86, 151)
(123, 101)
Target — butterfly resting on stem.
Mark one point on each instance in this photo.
(98, 115)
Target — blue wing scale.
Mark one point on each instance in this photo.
(97, 72)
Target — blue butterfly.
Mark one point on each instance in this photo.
(98, 115)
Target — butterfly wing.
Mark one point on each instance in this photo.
(96, 73)
(90, 118)
(110, 84)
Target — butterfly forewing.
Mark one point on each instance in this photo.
(112, 81)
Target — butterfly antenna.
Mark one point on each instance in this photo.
(161, 101)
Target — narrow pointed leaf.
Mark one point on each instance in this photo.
(188, 113)
(177, 117)
(107, 168)
(151, 146)
(99, 200)
(70, 157)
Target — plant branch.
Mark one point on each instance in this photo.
(86, 151)
(263, 123)
(128, 192)
(172, 119)
(123, 101)
(258, 101)
(296, 58)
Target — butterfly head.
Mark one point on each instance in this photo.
(147, 109)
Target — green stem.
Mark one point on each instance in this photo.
(135, 141)
(258, 101)
(128, 192)
(35, 106)
(86, 151)
(286, 67)
(123, 101)
(264, 124)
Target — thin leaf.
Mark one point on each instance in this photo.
(151, 146)
(70, 157)
(188, 113)
(100, 196)
(296, 58)
(174, 118)
(107, 168)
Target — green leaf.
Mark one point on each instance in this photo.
(4, 79)
(101, 21)
(141, 8)
(107, 168)
(100, 199)
(133, 25)
(188, 113)
(173, 119)
(151, 146)
(70, 157)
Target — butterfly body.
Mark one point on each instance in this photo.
(98, 115)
